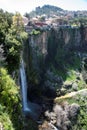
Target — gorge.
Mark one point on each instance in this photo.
(55, 65)
(43, 71)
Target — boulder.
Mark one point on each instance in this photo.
(75, 86)
(51, 116)
(74, 110)
(67, 84)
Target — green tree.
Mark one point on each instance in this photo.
(17, 20)
(14, 45)
(10, 108)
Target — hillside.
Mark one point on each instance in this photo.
(47, 10)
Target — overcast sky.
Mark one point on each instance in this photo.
(23, 6)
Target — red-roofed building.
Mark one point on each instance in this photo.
(40, 25)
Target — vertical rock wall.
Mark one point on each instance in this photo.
(49, 49)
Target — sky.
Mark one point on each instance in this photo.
(24, 6)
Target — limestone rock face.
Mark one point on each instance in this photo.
(47, 54)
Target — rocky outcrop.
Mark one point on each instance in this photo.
(61, 117)
(40, 41)
(71, 37)
(64, 115)
(82, 93)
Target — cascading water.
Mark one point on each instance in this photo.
(24, 88)
(31, 109)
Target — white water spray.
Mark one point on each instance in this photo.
(24, 88)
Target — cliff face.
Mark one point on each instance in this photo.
(56, 65)
(67, 38)
(40, 41)
(51, 54)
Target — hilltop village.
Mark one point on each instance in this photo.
(47, 17)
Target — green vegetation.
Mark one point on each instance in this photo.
(12, 38)
(82, 117)
(35, 32)
(71, 76)
(78, 21)
(11, 117)
(80, 99)
(10, 108)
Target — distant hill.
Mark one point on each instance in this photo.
(50, 11)
(46, 10)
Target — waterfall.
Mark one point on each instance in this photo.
(24, 88)
(29, 108)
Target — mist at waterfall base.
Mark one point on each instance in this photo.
(29, 109)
